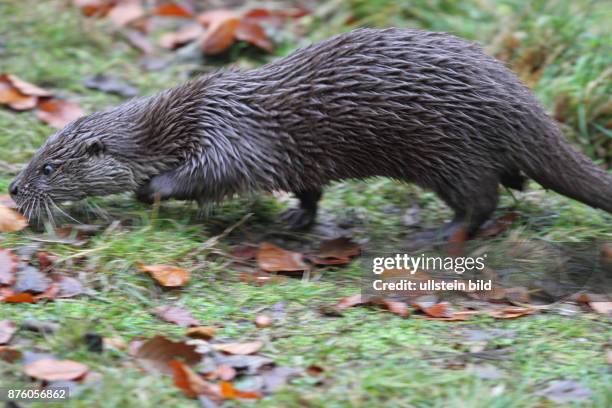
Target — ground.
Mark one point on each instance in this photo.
(370, 357)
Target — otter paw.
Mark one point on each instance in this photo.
(156, 189)
(298, 218)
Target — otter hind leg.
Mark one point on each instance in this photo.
(304, 215)
(472, 204)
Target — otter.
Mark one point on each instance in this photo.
(422, 107)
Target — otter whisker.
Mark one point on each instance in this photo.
(62, 212)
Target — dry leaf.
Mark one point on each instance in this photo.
(224, 372)
(601, 307)
(30, 279)
(11, 220)
(126, 12)
(253, 33)
(9, 354)
(97, 8)
(271, 258)
(220, 35)
(7, 329)
(19, 298)
(497, 226)
(399, 308)
(55, 370)
(139, 41)
(510, 312)
(166, 275)
(184, 35)
(263, 320)
(201, 332)
(69, 287)
(58, 113)
(176, 315)
(350, 301)
(239, 348)
(229, 392)
(9, 262)
(172, 10)
(191, 383)
(154, 354)
(337, 251)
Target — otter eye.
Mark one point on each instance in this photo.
(47, 169)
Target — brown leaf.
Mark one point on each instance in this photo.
(139, 41)
(213, 17)
(69, 287)
(244, 252)
(97, 8)
(19, 298)
(184, 35)
(176, 315)
(11, 220)
(225, 372)
(271, 258)
(55, 370)
(25, 88)
(155, 354)
(45, 260)
(350, 301)
(263, 320)
(399, 308)
(9, 262)
(604, 308)
(239, 348)
(314, 370)
(58, 113)
(337, 251)
(166, 275)
(497, 226)
(229, 392)
(253, 33)
(7, 329)
(191, 383)
(7, 201)
(510, 312)
(220, 35)
(439, 310)
(201, 332)
(172, 10)
(10, 96)
(126, 12)
(9, 354)
(30, 279)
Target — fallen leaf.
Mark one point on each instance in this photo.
(244, 252)
(229, 392)
(244, 363)
(9, 263)
(176, 315)
(510, 312)
(139, 41)
(10, 96)
(7, 201)
(201, 332)
(55, 370)
(277, 377)
(220, 35)
(58, 113)
(95, 8)
(604, 308)
(184, 35)
(7, 329)
(438, 310)
(263, 320)
(314, 370)
(337, 251)
(9, 354)
(271, 258)
(166, 275)
(155, 354)
(11, 220)
(191, 383)
(564, 391)
(239, 348)
(126, 12)
(497, 226)
(350, 301)
(399, 308)
(45, 260)
(111, 84)
(224, 372)
(172, 10)
(253, 33)
(19, 298)
(69, 287)
(30, 279)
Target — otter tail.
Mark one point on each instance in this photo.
(556, 165)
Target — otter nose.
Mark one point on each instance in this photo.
(13, 189)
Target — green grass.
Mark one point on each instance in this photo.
(370, 357)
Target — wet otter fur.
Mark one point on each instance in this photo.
(422, 107)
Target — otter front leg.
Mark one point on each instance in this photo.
(172, 184)
(305, 214)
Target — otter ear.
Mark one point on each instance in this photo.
(95, 147)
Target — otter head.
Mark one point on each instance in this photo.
(89, 157)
